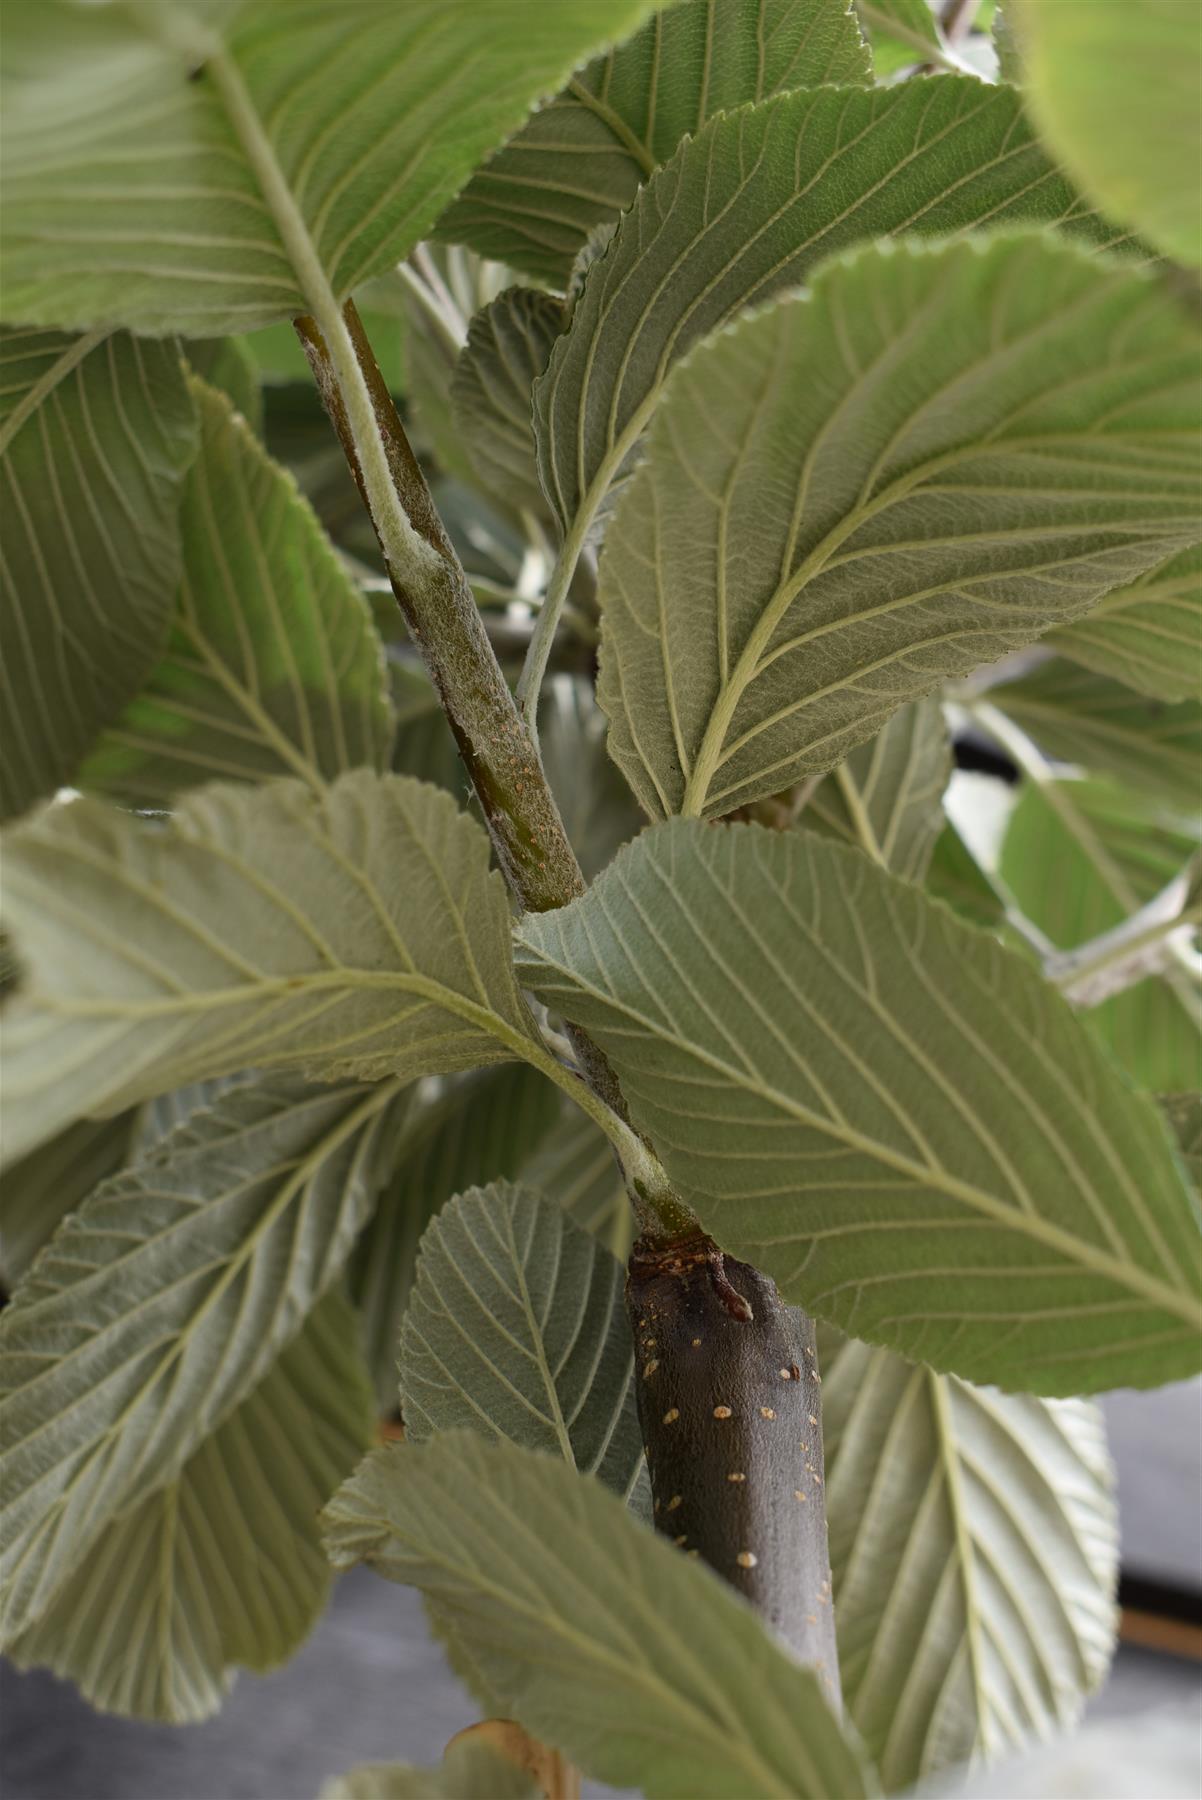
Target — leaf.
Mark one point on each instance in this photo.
(424, 746)
(1105, 1759)
(186, 168)
(470, 1770)
(575, 1166)
(886, 798)
(480, 1129)
(273, 665)
(95, 435)
(1148, 635)
(901, 32)
(1114, 90)
(589, 1626)
(508, 344)
(229, 365)
(157, 1306)
(40, 1189)
(223, 1565)
(816, 538)
(595, 804)
(516, 1328)
(881, 1108)
(741, 214)
(352, 933)
(1079, 857)
(1079, 717)
(1184, 1113)
(579, 161)
(974, 1545)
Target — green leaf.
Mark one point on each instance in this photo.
(901, 32)
(741, 214)
(223, 1566)
(881, 1108)
(40, 1189)
(137, 139)
(596, 806)
(1079, 717)
(1184, 1113)
(817, 536)
(95, 435)
(1148, 634)
(576, 1167)
(1079, 858)
(157, 1306)
(508, 345)
(887, 797)
(1114, 89)
(352, 933)
(579, 161)
(478, 1130)
(228, 364)
(974, 1546)
(273, 666)
(589, 1627)
(470, 1770)
(517, 1328)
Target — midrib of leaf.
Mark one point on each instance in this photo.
(376, 1100)
(965, 1553)
(613, 123)
(858, 814)
(1113, 1268)
(726, 1736)
(540, 1353)
(241, 695)
(403, 546)
(41, 390)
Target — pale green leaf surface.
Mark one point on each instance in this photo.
(353, 933)
(516, 1328)
(129, 194)
(223, 1566)
(1080, 857)
(95, 435)
(480, 1129)
(273, 666)
(39, 1190)
(882, 1108)
(157, 1306)
(1077, 716)
(1115, 91)
(915, 468)
(579, 161)
(469, 1770)
(887, 797)
(741, 214)
(595, 804)
(974, 1549)
(508, 346)
(592, 1631)
(1147, 635)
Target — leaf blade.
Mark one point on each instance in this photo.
(862, 1059)
(353, 932)
(657, 1714)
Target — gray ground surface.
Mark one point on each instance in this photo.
(371, 1685)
